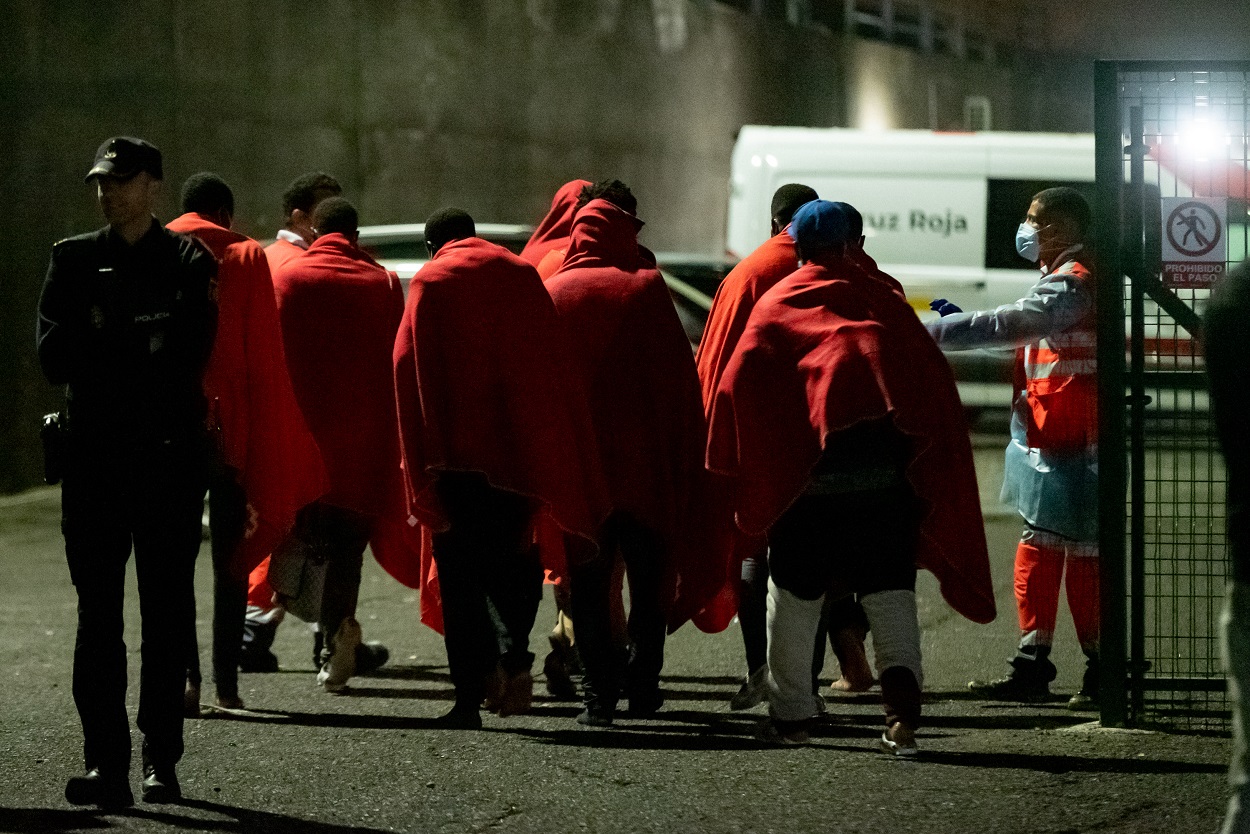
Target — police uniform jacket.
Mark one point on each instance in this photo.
(128, 329)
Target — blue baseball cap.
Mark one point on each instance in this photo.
(819, 225)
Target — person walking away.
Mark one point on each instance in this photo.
(339, 311)
(551, 236)
(495, 436)
(264, 614)
(635, 363)
(265, 463)
(736, 297)
(126, 322)
(545, 250)
(839, 421)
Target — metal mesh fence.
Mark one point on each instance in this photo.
(1196, 124)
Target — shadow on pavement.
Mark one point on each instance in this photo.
(354, 691)
(623, 737)
(49, 820)
(1065, 764)
(54, 821)
(1029, 721)
(245, 819)
(411, 673)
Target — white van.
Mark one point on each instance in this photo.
(940, 209)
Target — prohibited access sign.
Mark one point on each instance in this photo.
(1194, 245)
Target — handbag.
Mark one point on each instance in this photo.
(297, 571)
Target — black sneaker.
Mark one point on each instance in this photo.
(160, 785)
(370, 657)
(645, 702)
(460, 717)
(102, 791)
(258, 660)
(595, 715)
(1011, 689)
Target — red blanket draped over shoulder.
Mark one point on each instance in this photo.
(339, 312)
(635, 363)
(826, 348)
(484, 383)
(554, 230)
(262, 433)
(280, 252)
(736, 297)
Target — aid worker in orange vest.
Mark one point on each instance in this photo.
(1051, 468)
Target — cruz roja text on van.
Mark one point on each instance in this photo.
(918, 220)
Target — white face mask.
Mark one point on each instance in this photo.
(1027, 243)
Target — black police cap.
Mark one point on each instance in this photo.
(125, 156)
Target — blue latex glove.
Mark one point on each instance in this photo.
(943, 307)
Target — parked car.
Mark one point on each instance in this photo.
(692, 279)
(401, 247)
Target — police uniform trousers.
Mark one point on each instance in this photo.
(147, 496)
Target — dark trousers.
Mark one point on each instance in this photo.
(342, 536)
(151, 501)
(490, 579)
(227, 520)
(643, 552)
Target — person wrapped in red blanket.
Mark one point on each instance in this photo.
(552, 233)
(842, 428)
(746, 588)
(339, 312)
(495, 433)
(264, 612)
(267, 464)
(634, 361)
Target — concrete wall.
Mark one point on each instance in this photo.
(416, 105)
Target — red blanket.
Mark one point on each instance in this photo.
(736, 297)
(634, 360)
(869, 267)
(252, 407)
(553, 232)
(829, 347)
(753, 276)
(484, 383)
(339, 312)
(280, 252)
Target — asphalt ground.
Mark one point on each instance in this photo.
(371, 760)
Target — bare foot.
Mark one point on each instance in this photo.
(844, 684)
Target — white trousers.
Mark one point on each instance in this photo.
(792, 625)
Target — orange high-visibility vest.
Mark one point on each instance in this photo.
(1061, 380)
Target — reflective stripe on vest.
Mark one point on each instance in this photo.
(1070, 353)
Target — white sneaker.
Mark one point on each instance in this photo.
(753, 691)
(339, 669)
(899, 740)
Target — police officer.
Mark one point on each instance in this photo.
(126, 321)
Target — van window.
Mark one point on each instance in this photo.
(1006, 204)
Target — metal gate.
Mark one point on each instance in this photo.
(1172, 214)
